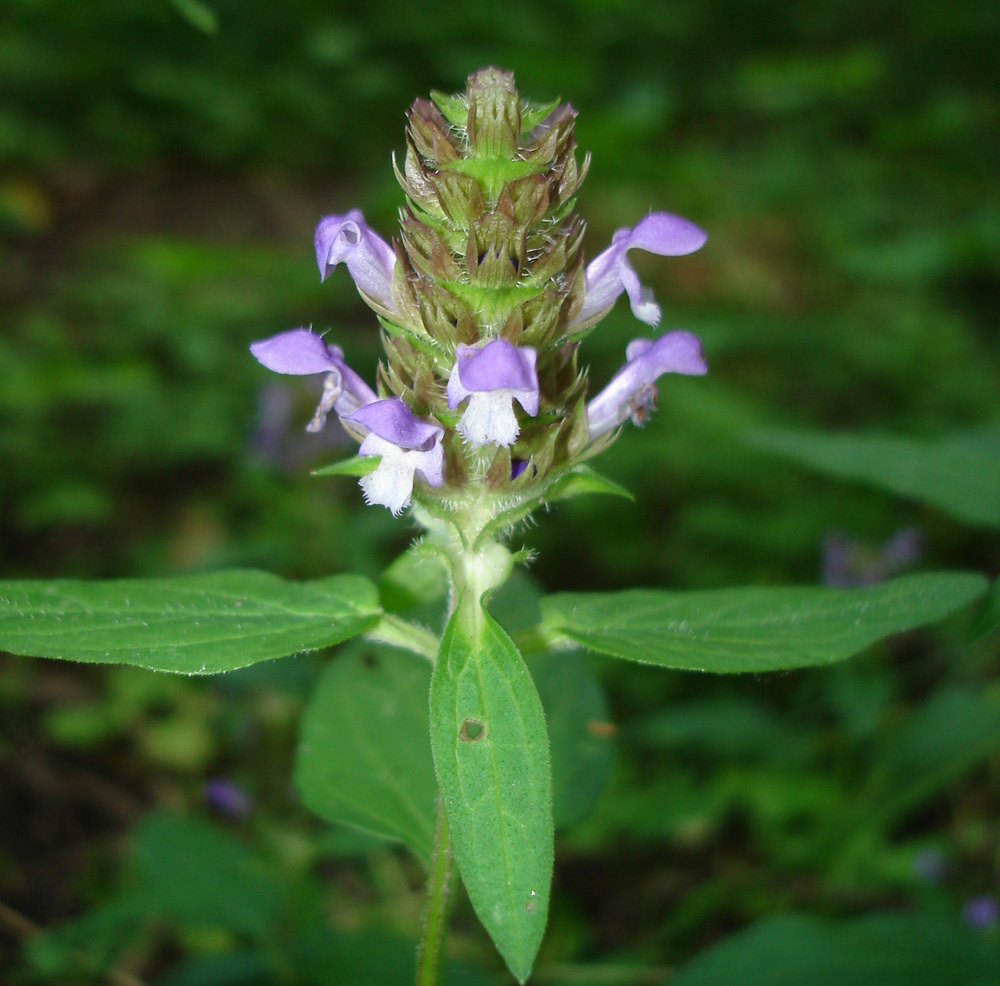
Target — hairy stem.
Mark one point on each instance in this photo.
(400, 633)
(431, 947)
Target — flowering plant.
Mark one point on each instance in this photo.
(479, 416)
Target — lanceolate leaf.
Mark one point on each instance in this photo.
(363, 757)
(959, 474)
(583, 479)
(755, 628)
(356, 465)
(196, 624)
(491, 754)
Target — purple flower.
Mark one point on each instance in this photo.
(631, 392)
(227, 798)
(981, 912)
(848, 562)
(300, 352)
(610, 273)
(492, 377)
(350, 240)
(407, 445)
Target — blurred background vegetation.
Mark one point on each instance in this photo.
(162, 167)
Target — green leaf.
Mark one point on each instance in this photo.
(959, 474)
(876, 950)
(583, 479)
(580, 734)
(987, 617)
(755, 628)
(199, 15)
(197, 874)
(363, 757)
(951, 732)
(415, 578)
(491, 754)
(356, 465)
(195, 624)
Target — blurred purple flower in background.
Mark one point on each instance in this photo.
(981, 912)
(278, 436)
(227, 798)
(848, 562)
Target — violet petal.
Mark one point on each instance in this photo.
(301, 352)
(632, 387)
(610, 273)
(297, 351)
(390, 484)
(492, 377)
(370, 260)
(392, 420)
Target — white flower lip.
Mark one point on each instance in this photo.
(408, 446)
(492, 377)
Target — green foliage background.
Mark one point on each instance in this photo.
(162, 166)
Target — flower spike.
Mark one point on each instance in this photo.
(370, 260)
(407, 445)
(301, 352)
(632, 392)
(492, 377)
(610, 273)
(483, 299)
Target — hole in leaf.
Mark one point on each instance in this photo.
(472, 730)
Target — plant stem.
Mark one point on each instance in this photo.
(399, 633)
(431, 947)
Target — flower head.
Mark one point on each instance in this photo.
(407, 445)
(492, 377)
(632, 392)
(483, 298)
(370, 260)
(610, 273)
(300, 352)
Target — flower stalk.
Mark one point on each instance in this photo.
(430, 950)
